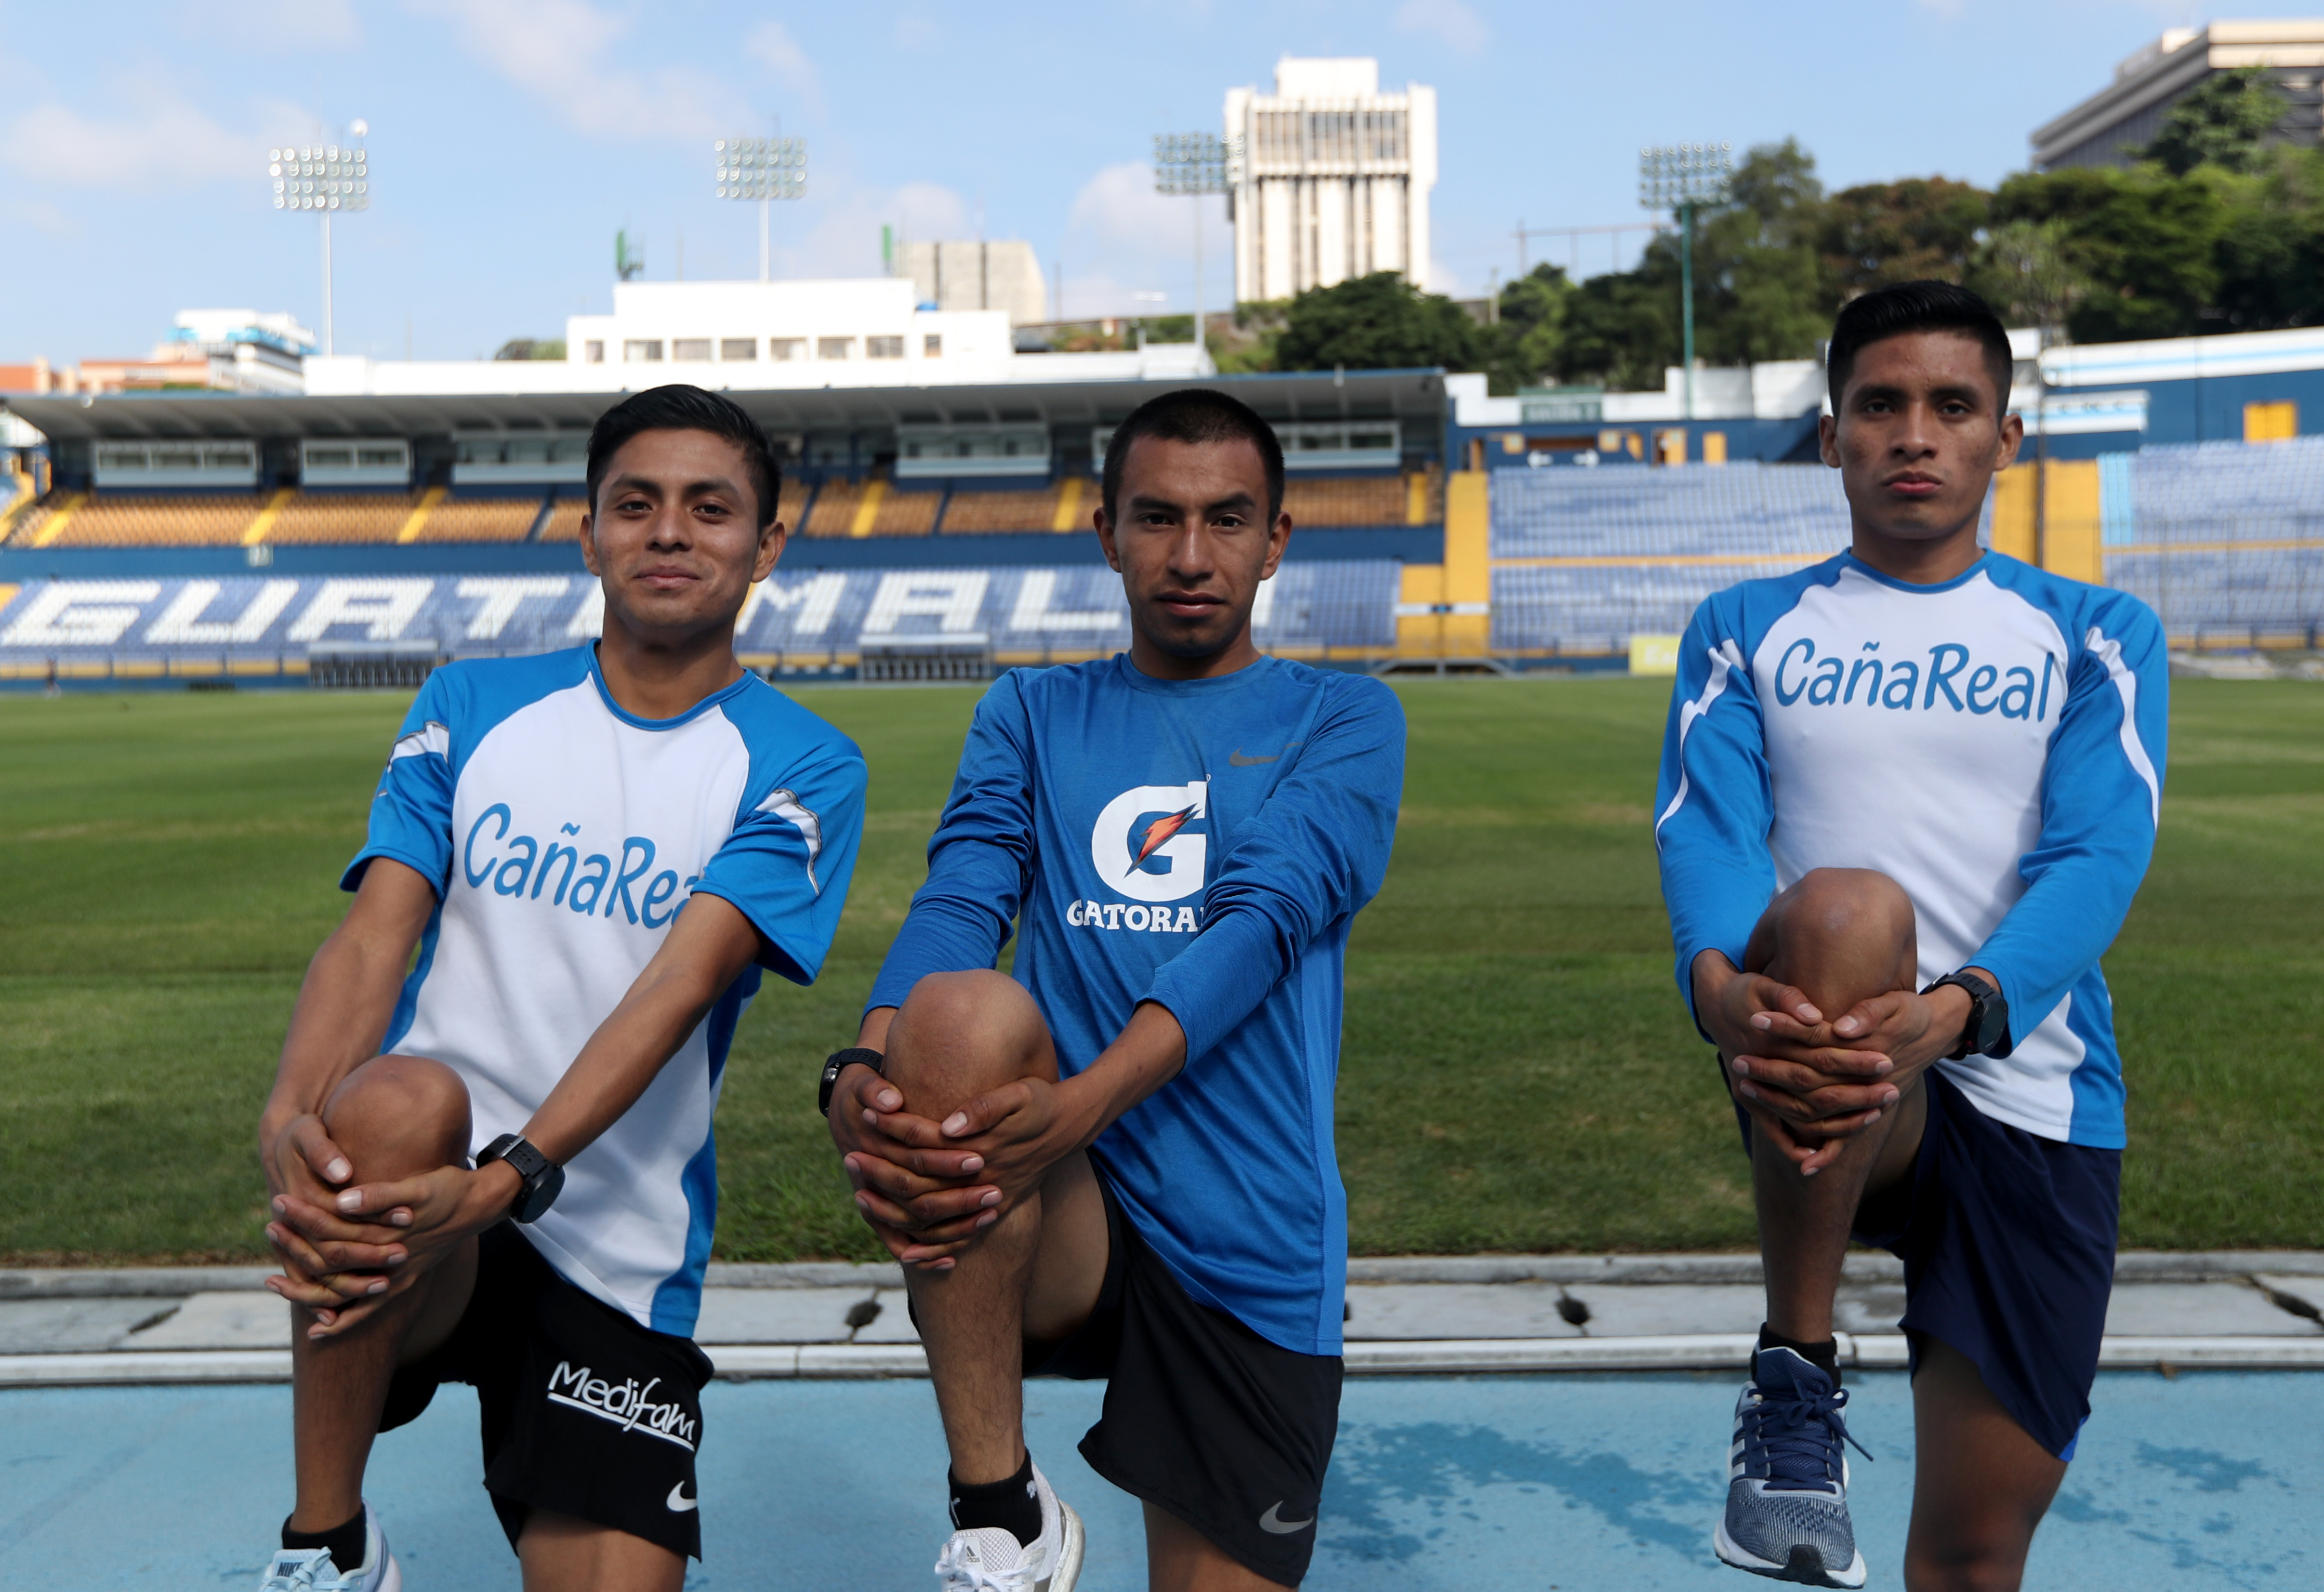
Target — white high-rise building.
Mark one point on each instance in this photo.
(1333, 177)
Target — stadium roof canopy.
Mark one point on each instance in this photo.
(1414, 395)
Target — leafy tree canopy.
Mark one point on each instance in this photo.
(2224, 121)
(1376, 322)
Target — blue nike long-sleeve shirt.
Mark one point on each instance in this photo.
(1203, 844)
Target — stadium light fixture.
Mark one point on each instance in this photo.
(1679, 178)
(1196, 164)
(761, 168)
(326, 180)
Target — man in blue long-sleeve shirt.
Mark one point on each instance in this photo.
(1118, 1163)
(1945, 768)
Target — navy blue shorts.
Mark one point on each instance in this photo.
(2007, 1240)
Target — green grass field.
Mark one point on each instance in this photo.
(1518, 1074)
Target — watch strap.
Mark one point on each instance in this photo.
(1984, 999)
(839, 1061)
(542, 1179)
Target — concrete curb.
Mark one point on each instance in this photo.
(1448, 1358)
(2135, 1266)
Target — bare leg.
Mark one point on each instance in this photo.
(562, 1554)
(1839, 936)
(1982, 1483)
(396, 1117)
(1180, 1559)
(1037, 1271)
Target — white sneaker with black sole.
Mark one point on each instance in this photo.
(990, 1560)
(311, 1569)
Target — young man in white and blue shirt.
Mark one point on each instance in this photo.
(594, 854)
(1945, 769)
(1118, 1163)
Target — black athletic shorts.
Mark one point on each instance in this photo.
(2007, 1240)
(1203, 1417)
(584, 1411)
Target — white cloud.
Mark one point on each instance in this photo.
(772, 45)
(1449, 20)
(843, 240)
(915, 30)
(273, 25)
(557, 50)
(165, 141)
(1123, 239)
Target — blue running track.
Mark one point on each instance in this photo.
(1574, 1482)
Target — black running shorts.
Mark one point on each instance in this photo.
(2007, 1240)
(585, 1413)
(1203, 1417)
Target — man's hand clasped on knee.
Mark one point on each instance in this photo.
(928, 1188)
(1810, 1083)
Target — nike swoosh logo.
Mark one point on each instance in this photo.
(1273, 1521)
(679, 1503)
(1240, 760)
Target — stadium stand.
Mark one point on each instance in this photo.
(479, 520)
(2225, 541)
(833, 511)
(1364, 501)
(341, 517)
(564, 521)
(975, 513)
(140, 520)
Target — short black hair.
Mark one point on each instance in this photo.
(1194, 414)
(1919, 307)
(680, 407)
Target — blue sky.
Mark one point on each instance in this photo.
(510, 138)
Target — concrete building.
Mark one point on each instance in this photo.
(2110, 127)
(1332, 178)
(977, 275)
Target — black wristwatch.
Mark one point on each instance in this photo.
(543, 1178)
(1987, 1032)
(841, 1060)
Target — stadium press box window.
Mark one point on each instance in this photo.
(642, 350)
(691, 348)
(593, 350)
(142, 464)
(883, 348)
(735, 348)
(786, 349)
(932, 346)
(835, 348)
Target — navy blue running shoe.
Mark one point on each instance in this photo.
(1787, 1477)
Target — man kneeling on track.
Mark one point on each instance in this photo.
(595, 852)
(1944, 768)
(1118, 1163)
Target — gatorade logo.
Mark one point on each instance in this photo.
(1144, 846)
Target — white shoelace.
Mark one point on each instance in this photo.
(961, 1568)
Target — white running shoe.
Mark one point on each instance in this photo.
(311, 1570)
(990, 1560)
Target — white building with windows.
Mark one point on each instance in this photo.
(868, 332)
(1332, 178)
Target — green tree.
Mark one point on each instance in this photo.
(2270, 252)
(2147, 242)
(1376, 322)
(1915, 229)
(2225, 122)
(1522, 344)
(2024, 273)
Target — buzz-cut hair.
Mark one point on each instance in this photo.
(1918, 307)
(680, 407)
(1194, 414)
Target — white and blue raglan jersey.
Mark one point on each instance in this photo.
(1994, 744)
(1203, 844)
(562, 835)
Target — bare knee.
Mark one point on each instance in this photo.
(1965, 1564)
(958, 1035)
(1849, 904)
(396, 1115)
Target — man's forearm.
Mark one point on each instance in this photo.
(345, 1004)
(710, 944)
(1150, 1052)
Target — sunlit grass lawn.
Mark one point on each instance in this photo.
(1518, 1074)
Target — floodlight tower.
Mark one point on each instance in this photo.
(761, 168)
(1195, 163)
(1678, 178)
(324, 178)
